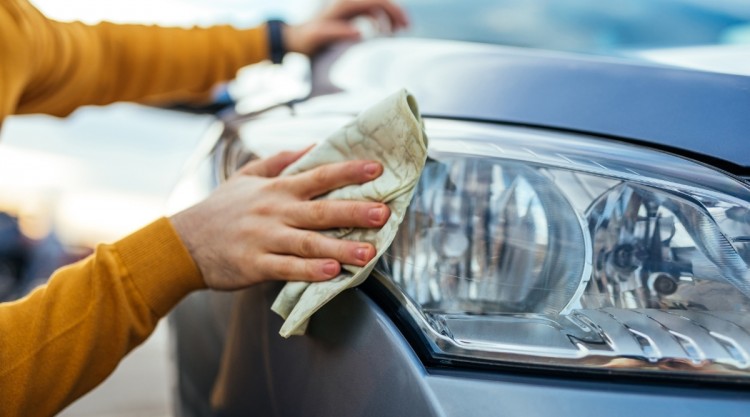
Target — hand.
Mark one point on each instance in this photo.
(335, 24)
(257, 226)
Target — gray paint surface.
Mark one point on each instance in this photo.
(700, 112)
(355, 362)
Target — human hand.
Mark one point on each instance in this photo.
(258, 226)
(335, 24)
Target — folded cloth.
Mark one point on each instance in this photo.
(392, 133)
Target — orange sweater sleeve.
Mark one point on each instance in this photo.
(66, 65)
(67, 336)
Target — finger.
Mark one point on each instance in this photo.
(331, 214)
(395, 14)
(322, 179)
(272, 166)
(307, 244)
(351, 9)
(292, 268)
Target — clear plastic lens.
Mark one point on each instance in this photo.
(479, 236)
(656, 250)
(556, 249)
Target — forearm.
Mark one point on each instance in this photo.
(79, 64)
(68, 336)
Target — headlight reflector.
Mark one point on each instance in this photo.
(541, 248)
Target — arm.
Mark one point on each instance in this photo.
(69, 335)
(74, 64)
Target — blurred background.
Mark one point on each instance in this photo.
(67, 184)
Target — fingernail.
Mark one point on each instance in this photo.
(372, 168)
(331, 268)
(376, 214)
(363, 254)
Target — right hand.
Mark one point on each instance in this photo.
(335, 24)
(258, 226)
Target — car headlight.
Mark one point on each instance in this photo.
(532, 247)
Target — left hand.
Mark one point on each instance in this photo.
(335, 24)
(258, 226)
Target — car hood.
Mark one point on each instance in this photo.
(696, 113)
(727, 59)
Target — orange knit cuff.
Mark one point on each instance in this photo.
(160, 265)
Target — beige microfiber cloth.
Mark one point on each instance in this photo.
(392, 133)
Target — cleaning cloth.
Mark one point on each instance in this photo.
(392, 133)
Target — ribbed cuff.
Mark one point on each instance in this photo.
(160, 265)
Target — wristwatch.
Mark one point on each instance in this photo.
(276, 40)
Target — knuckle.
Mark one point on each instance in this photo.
(284, 269)
(344, 252)
(311, 270)
(264, 209)
(288, 212)
(246, 271)
(275, 185)
(307, 244)
(254, 167)
(321, 175)
(318, 211)
(354, 169)
(355, 211)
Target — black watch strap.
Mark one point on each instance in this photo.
(276, 40)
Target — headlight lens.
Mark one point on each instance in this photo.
(552, 249)
(535, 248)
